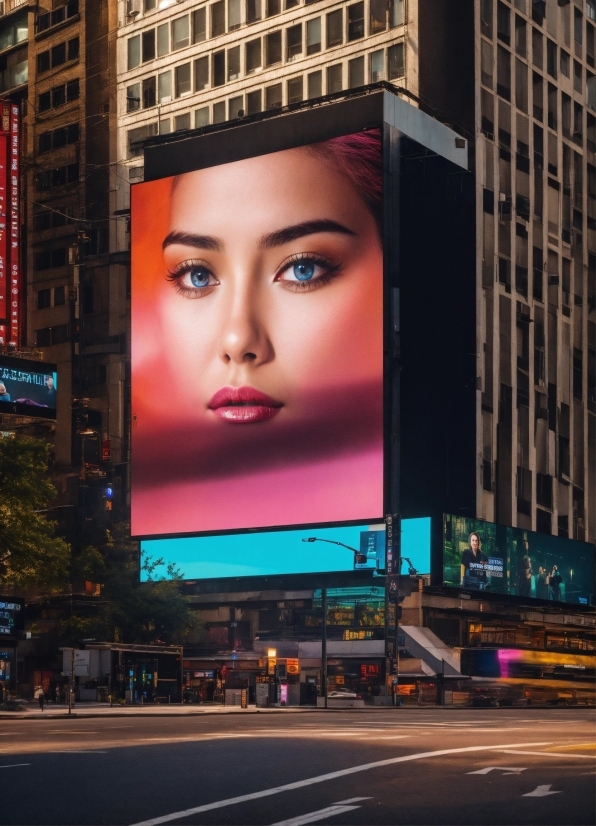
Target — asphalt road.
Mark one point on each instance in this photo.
(394, 766)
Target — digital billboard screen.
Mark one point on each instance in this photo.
(257, 342)
(12, 616)
(27, 387)
(483, 556)
(288, 552)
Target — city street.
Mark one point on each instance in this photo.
(381, 766)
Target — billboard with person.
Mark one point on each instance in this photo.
(483, 556)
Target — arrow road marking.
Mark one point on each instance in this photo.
(541, 791)
(498, 769)
(329, 811)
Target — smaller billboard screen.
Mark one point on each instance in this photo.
(321, 550)
(12, 615)
(483, 556)
(28, 388)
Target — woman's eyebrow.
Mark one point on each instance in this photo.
(189, 239)
(283, 236)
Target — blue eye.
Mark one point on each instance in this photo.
(199, 277)
(304, 270)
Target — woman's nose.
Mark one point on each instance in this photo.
(244, 337)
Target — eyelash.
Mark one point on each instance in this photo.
(307, 286)
(175, 276)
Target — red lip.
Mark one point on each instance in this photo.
(243, 405)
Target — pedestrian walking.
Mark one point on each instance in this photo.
(41, 699)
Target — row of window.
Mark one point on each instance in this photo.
(57, 55)
(60, 175)
(382, 63)
(49, 259)
(49, 19)
(186, 29)
(58, 96)
(53, 218)
(56, 138)
(44, 297)
(225, 66)
(48, 336)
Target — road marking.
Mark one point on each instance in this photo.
(575, 746)
(541, 791)
(499, 769)
(339, 808)
(547, 754)
(323, 778)
(14, 765)
(77, 751)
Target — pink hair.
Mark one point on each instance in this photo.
(359, 158)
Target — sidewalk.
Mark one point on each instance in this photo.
(32, 711)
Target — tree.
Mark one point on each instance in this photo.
(30, 553)
(131, 611)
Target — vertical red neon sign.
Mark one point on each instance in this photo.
(15, 246)
(4, 287)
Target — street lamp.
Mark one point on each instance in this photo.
(359, 558)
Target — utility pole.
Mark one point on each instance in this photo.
(324, 646)
(71, 681)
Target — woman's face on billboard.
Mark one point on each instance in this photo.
(271, 311)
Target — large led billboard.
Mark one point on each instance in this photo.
(257, 341)
(27, 387)
(483, 556)
(271, 553)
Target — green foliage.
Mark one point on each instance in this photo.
(130, 611)
(30, 553)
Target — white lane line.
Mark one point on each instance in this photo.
(548, 754)
(499, 769)
(541, 791)
(329, 811)
(77, 751)
(14, 765)
(323, 778)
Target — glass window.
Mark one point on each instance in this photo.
(396, 13)
(591, 91)
(273, 48)
(551, 58)
(43, 299)
(180, 32)
(134, 51)
(315, 85)
(58, 96)
(295, 90)
(219, 112)
(218, 76)
(290, 4)
(378, 16)
(254, 10)
(133, 97)
(59, 296)
(294, 41)
(164, 86)
(165, 126)
(273, 96)
(202, 117)
(236, 107)
(149, 5)
(564, 63)
(520, 35)
(201, 73)
(59, 54)
(182, 122)
(335, 25)
(234, 14)
(253, 55)
(253, 102)
(486, 63)
(182, 79)
(395, 61)
(503, 22)
(334, 78)
(136, 136)
(234, 63)
(149, 92)
(199, 30)
(356, 72)
(45, 102)
(272, 7)
(163, 39)
(148, 45)
(355, 21)
(43, 62)
(377, 66)
(313, 36)
(73, 48)
(218, 18)
(45, 141)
